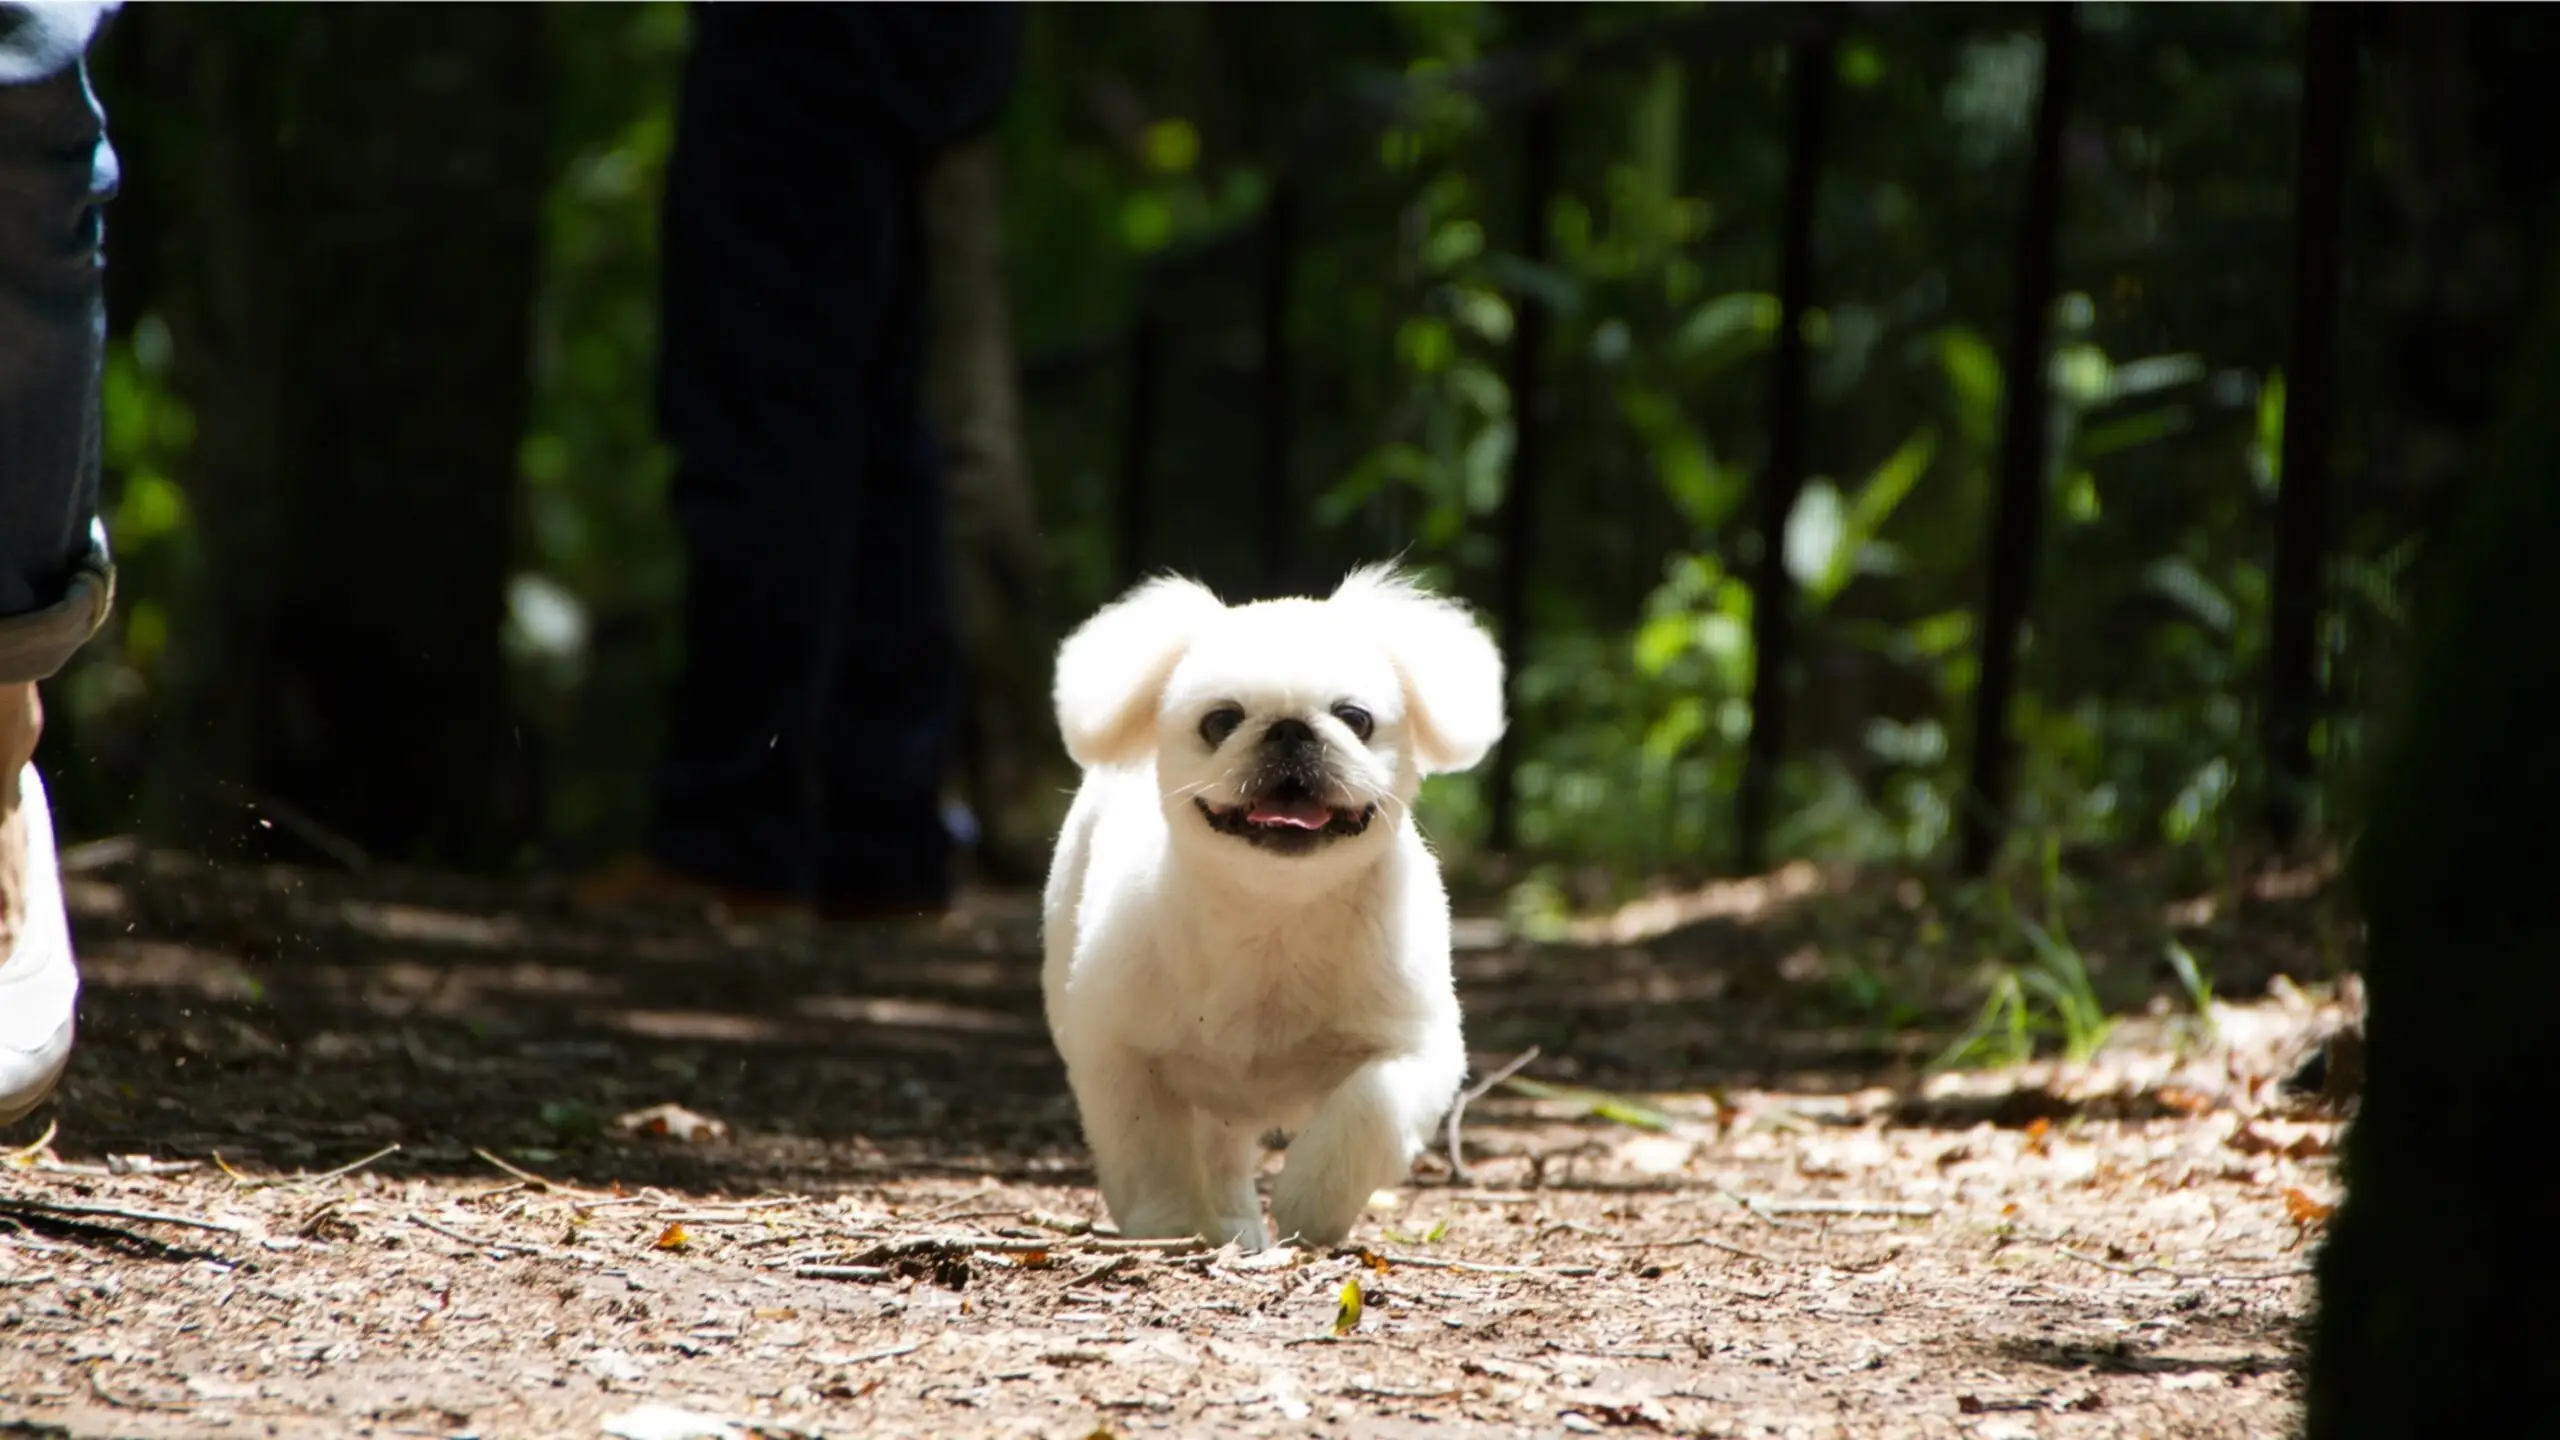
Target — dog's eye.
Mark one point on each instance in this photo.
(1356, 719)
(1220, 723)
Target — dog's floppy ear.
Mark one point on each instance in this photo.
(1112, 670)
(1452, 672)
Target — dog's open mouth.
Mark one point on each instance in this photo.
(1288, 818)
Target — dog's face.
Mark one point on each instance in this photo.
(1288, 729)
(1283, 728)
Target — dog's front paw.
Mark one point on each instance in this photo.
(1157, 1222)
(1317, 1212)
(1245, 1232)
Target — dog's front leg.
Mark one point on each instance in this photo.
(1145, 1153)
(1362, 1140)
(1230, 1153)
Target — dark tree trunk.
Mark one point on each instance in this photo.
(362, 190)
(2436, 1314)
(2302, 505)
(1283, 514)
(1141, 358)
(977, 412)
(2017, 522)
(1773, 590)
(1519, 515)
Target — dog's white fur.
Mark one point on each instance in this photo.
(1203, 989)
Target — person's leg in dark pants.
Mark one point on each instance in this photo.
(813, 718)
(56, 584)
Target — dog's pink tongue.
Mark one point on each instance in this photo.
(1304, 814)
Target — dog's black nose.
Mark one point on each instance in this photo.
(1288, 733)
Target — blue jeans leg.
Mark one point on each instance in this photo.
(57, 172)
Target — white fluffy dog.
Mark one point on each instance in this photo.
(1244, 929)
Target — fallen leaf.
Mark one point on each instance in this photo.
(1617, 1108)
(2305, 1211)
(1346, 1317)
(1374, 1261)
(847, 1390)
(674, 1122)
(615, 1365)
(666, 1422)
(2183, 1101)
(2248, 1139)
(1032, 1260)
(1657, 1154)
(1640, 1414)
(674, 1237)
(2039, 1133)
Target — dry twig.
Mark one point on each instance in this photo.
(67, 1208)
(1427, 1262)
(1701, 1241)
(99, 1388)
(2179, 1276)
(1909, 1210)
(554, 1186)
(474, 1242)
(256, 1182)
(1458, 1111)
(840, 1272)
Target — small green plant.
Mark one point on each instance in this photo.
(2048, 997)
(2001, 1035)
(2182, 962)
(2061, 978)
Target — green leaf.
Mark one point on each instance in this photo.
(1725, 330)
(1146, 222)
(1171, 147)
(1617, 1109)
(2266, 457)
(1973, 378)
(2175, 578)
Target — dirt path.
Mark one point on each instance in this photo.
(1790, 1235)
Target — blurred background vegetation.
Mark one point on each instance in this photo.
(1172, 177)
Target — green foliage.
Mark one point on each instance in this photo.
(2047, 996)
(1139, 164)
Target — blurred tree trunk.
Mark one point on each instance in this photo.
(2298, 576)
(2015, 550)
(1774, 601)
(976, 409)
(361, 189)
(2435, 1289)
(2434, 1306)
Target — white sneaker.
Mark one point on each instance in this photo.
(39, 984)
